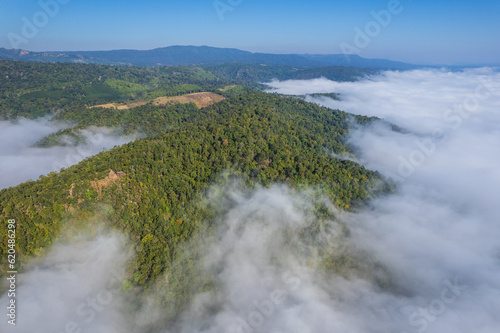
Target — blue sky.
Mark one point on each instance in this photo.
(418, 31)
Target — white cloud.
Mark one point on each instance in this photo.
(442, 222)
(417, 99)
(75, 288)
(434, 241)
(20, 161)
(269, 276)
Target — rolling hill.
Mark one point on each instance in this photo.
(32, 89)
(150, 189)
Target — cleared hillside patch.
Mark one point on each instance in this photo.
(201, 99)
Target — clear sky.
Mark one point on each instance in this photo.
(447, 32)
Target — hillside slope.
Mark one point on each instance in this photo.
(147, 188)
(37, 89)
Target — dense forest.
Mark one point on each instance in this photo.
(149, 189)
(32, 89)
(253, 74)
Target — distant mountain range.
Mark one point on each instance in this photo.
(200, 55)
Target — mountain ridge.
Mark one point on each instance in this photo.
(179, 55)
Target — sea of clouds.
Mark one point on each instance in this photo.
(443, 221)
(437, 236)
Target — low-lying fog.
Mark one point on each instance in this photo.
(437, 236)
(21, 160)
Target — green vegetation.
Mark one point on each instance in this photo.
(329, 95)
(253, 74)
(150, 189)
(36, 89)
(33, 89)
(262, 138)
(148, 119)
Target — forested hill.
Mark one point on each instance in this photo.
(36, 89)
(149, 188)
(251, 73)
(152, 189)
(32, 90)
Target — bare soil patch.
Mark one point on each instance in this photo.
(201, 99)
